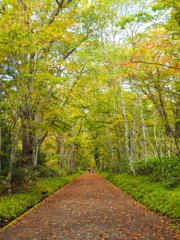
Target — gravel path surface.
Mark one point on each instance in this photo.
(89, 208)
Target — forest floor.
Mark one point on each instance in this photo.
(89, 207)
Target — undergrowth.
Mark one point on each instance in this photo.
(152, 194)
(20, 200)
(166, 171)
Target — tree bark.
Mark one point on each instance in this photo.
(156, 143)
(60, 152)
(36, 146)
(122, 110)
(73, 160)
(15, 140)
(118, 149)
(177, 122)
(129, 157)
(111, 150)
(0, 129)
(143, 126)
(27, 140)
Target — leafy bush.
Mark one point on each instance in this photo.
(42, 158)
(20, 175)
(44, 172)
(167, 172)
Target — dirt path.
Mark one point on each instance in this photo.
(89, 208)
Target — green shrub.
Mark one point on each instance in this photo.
(44, 172)
(167, 172)
(42, 158)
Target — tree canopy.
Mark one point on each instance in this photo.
(88, 83)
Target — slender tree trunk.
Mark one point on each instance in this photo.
(160, 146)
(154, 149)
(135, 153)
(177, 123)
(15, 140)
(60, 150)
(129, 157)
(133, 144)
(0, 130)
(111, 150)
(73, 160)
(118, 145)
(122, 109)
(61, 153)
(169, 152)
(118, 149)
(143, 126)
(27, 141)
(156, 143)
(36, 146)
(17, 130)
(68, 161)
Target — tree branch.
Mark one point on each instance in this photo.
(57, 11)
(73, 49)
(69, 53)
(151, 63)
(177, 154)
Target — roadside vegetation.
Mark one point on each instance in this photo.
(157, 185)
(26, 196)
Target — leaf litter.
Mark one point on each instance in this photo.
(90, 208)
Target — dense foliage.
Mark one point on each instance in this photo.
(89, 83)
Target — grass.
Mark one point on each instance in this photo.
(152, 194)
(16, 203)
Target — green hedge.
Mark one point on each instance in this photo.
(153, 195)
(14, 205)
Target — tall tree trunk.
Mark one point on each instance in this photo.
(60, 152)
(14, 143)
(156, 143)
(160, 146)
(0, 130)
(122, 110)
(73, 160)
(135, 153)
(143, 126)
(35, 146)
(118, 149)
(133, 142)
(68, 162)
(27, 141)
(177, 122)
(152, 146)
(129, 157)
(111, 150)
(160, 106)
(118, 145)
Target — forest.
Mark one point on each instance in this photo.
(89, 84)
